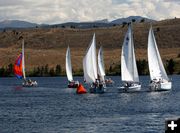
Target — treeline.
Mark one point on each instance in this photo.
(171, 67)
(36, 72)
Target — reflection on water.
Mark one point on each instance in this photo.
(18, 88)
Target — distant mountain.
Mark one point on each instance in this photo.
(81, 25)
(16, 24)
(102, 21)
(130, 18)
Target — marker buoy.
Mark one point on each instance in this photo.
(81, 89)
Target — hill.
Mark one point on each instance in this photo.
(130, 18)
(16, 24)
(82, 25)
(48, 45)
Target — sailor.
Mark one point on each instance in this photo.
(77, 82)
(100, 85)
(97, 82)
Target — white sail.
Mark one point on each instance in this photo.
(23, 61)
(128, 61)
(68, 65)
(89, 63)
(101, 70)
(156, 67)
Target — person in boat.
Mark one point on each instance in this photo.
(101, 85)
(29, 81)
(126, 84)
(97, 83)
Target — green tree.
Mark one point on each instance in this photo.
(142, 66)
(110, 69)
(142, 20)
(52, 72)
(133, 20)
(124, 24)
(42, 71)
(38, 71)
(46, 71)
(2, 71)
(170, 66)
(9, 70)
(157, 29)
(58, 70)
(178, 56)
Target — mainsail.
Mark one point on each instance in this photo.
(68, 65)
(101, 70)
(129, 71)
(156, 67)
(19, 66)
(89, 63)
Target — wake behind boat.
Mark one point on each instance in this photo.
(71, 82)
(129, 73)
(19, 70)
(90, 69)
(159, 79)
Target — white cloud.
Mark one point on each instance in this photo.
(58, 11)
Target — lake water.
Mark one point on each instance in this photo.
(54, 108)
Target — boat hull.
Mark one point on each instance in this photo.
(166, 86)
(97, 90)
(30, 84)
(73, 84)
(134, 87)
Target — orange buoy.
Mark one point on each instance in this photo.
(81, 89)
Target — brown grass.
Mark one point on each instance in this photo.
(48, 46)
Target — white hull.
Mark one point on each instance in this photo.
(161, 86)
(30, 84)
(134, 87)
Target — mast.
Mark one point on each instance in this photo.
(23, 61)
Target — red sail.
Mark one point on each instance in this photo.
(18, 67)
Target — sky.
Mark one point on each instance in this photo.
(60, 11)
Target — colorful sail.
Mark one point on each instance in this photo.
(18, 67)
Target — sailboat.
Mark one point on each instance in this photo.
(19, 69)
(90, 69)
(101, 70)
(158, 75)
(71, 82)
(129, 73)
